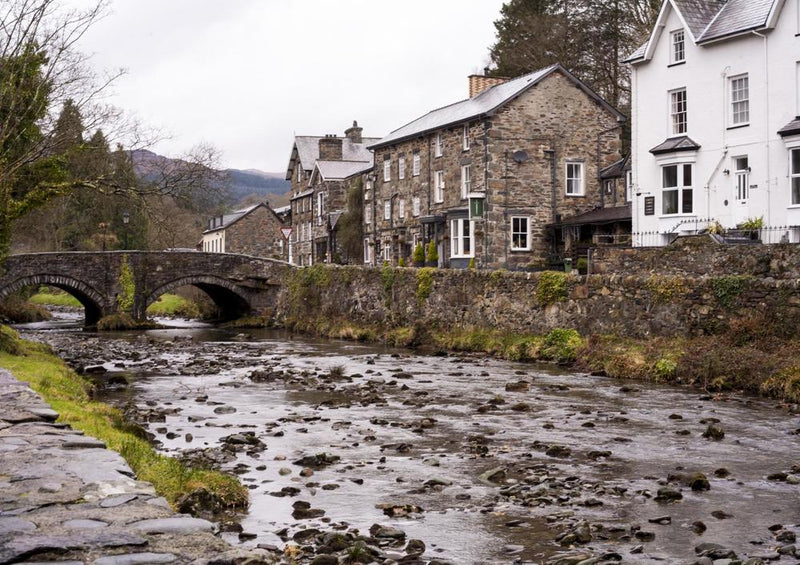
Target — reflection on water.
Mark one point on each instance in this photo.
(422, 430)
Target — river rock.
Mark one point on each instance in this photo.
(317, 461)
(714, 432)
(379, 531)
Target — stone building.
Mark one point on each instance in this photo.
(255, 230)
(490, 178)
(320, 170)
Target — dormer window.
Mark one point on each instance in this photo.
(678, 43)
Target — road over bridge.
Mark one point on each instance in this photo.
(238, 284)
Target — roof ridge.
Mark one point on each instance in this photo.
(714, 19)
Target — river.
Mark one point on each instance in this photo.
(485, 461)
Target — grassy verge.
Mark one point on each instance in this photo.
(20, 311)
(741, 360)
(48, 298)
(69, 395)
(172, 305)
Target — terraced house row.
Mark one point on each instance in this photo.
(511, 177)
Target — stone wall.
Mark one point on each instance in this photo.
(698, 256)
(633, 306)
(258, 234)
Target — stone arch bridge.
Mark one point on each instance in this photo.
(238, 284)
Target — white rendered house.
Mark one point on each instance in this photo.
(716, 138)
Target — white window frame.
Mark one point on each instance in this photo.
(571, 180)
(628, 186)
(299, 173)
(794, 177)
(466, 181)
(465, 138)
(681, 188)
(387, 170)
(368, 189)
(677, 49)
(438, 187)
(401, 209)
(387, 252)
(401, 167)
(387, 209)
(367, 251)
(437, 147)
(415, 206)
(368, 215)
(678, 112)
(741, 176)
(517, 224)
(321, 198)
(460, 239)
(415, 164)
(739, 89)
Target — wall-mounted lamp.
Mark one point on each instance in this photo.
(749, 169)
(726, 172)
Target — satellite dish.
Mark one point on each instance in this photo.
(520, 157)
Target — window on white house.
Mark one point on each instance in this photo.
(678, 111)
(438, 186)
(367, 251)
(437, 149)
(401, 209)
(465, 138)
(368, 215)
(676, 189)
(678, 41)
(466, 183)
(415, 206)
(742, 175)
(368, 189)
(520, 233)
(415, 164)
(574, 179)
(461, 238)
(740, 100)
(387, 209)
(387, 170)
(629, 186)
(401, 168)
(794, 173)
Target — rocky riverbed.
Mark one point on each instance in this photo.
(390, 457)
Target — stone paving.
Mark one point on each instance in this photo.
(66, 499)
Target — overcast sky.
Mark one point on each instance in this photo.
(247, 75)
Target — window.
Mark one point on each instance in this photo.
(401, 209)
(368, 215)
(742, 174)
(520, 233)
(387, 209)
(574, 179)
(321, 197)
(678, 53)
(677, 111)
(460, 238)
(465, 138)
(415, 164)
(676, 186)
(466, 184)
(387, 169)
(367, 251)
(437, 149)
(368, 189)
(795, 176)
(415, 206)
(628, 186)
(387, 251)
(740, 100)
(438, 186)
(299, 172)
(401, 168)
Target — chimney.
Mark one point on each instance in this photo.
(479, 83)
(354, 133)
(330, 148)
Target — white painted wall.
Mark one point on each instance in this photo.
(772, 66)
(214, 242)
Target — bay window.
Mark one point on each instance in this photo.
(461, 238)
(676, 189)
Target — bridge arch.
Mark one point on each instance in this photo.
(92, 301)
(232, 301)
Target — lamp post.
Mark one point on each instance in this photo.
(126, 218)
(103, 227)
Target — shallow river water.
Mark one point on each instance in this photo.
(501, 458)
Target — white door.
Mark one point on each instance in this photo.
(741, 188)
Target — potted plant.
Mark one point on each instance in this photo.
(432, 259)
(419, 256)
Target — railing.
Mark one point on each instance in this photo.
(611, 239)
(769, 235)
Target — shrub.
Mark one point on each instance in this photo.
(551, 288)
(387, 278)
(472, 263)
(117, 322)
(561, 345)
(127, 286)
(664, 289)
(424, 283)
(665, 369)
(18, 310)
(401, 262)
(752, 223)
(432, 255)
(784, 385)
(727, 288)
(419, 255)
(582, 265)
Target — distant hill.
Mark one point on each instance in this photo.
(241, 184)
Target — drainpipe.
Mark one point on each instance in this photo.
(486, 231)
(553, 190)
(767, 124)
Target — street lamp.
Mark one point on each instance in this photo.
(126, 218)
(103, 227)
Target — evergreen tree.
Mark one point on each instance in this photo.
(350, 228)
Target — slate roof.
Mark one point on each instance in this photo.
(616, 170)
(228, 219)
(306, 148)
(340, 170)
(481, 105)
(675, 144)
(698, 13)
(600, 216)
(792, 128)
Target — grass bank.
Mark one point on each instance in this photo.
(55, 298)
(744, 359)
(70, 395)
(174, 306)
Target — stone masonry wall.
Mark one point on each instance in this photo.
(632, 306)
(257, 234)
(698, 256)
